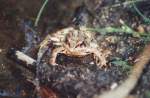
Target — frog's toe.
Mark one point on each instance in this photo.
(53, 62)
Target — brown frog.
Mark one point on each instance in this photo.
(76, 43)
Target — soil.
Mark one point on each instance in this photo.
(73, 76)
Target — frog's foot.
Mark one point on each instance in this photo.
(98, 60)
(52, 61)
(101, 61)
(101, 58)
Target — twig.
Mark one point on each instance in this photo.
(120, 4)
(21, 57)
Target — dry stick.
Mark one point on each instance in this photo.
(21, 57)
(125, 88)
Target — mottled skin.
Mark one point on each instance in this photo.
(76, 43)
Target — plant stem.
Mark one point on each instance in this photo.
(40, 13)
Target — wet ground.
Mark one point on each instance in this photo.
(70, 78)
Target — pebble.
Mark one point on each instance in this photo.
(0, 50)
(113, 86)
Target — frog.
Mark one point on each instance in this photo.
(75, 42)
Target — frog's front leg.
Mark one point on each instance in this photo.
(55, 51)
